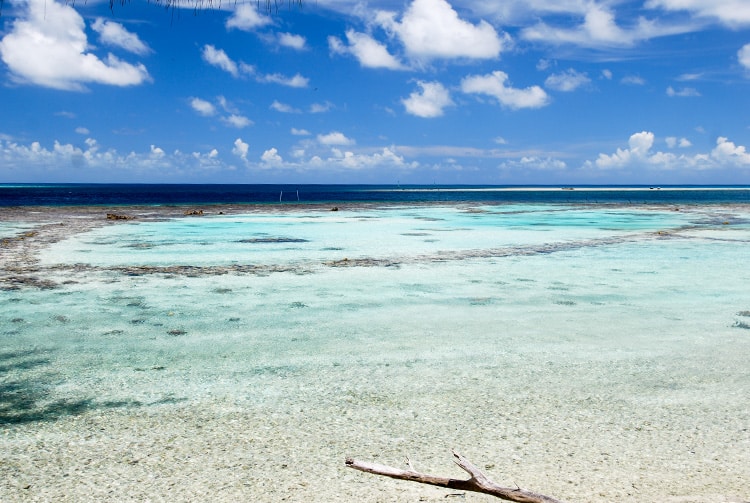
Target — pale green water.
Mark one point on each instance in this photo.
(536, 322)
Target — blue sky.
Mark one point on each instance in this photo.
(340, 91)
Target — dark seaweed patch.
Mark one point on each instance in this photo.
(565, 303)
(273, 240)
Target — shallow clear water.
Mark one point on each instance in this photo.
(457, 326)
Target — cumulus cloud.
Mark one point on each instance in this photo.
(115, 34)
(725, 154)
(351, 160)
(334, 138)
(685, 92)
(91, 162)
(48, 46)
(272, 157)
(429, 101)
(640, 145)
(238, 121)
(292, 41)
(240, 149)
(728, 153)
(733, 13)
(369, 52)
(247, 18)
(743, 56)
(673, 142)
(567, 81)
(432, 29)
(233, 117)
(203, 107)
(496, 85)
(536, 163)
(219, 59)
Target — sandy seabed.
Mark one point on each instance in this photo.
(545, 402)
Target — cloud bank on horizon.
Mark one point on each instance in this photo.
(421, 91)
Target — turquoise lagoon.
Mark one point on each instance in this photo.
(594, 353)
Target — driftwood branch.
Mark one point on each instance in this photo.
(478, 481)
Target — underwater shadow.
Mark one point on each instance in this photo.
(27, 400)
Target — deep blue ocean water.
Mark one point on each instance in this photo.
(166, 194)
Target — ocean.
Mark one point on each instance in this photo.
(226, 343)
(129, 194)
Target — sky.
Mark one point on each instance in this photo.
(543, 92)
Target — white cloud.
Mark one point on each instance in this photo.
(319, 108)
(500, 140)
(219, 59)
(689, 76)
(238, 121)
(599, 29)
(247, 18)
(47, 46)
(495, 85)
(633, 80)
(335, 138)
(640, 144)
(733, 13)
(566, 81)
(607, 74)
(351, 160)
(115, 34)
(240, 149)
(432, 29)
(82, 130)
(300, 132)
(276, 78)
(272, 157)
(727, 152)
(429, 102)
(156, 152)
(226, 105)
(292, 41)
(203, 107)
(743, 56)
(639, 154)
(543, 65)
(685, 92)
(536, 163)
(94, 163)
(673, 142)
(369, 52)
(283, 107)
